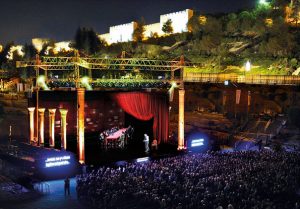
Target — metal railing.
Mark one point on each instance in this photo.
(42, 187)
(247, 79)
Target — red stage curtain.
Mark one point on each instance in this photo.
(145, 106)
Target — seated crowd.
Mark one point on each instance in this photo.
(239, 180)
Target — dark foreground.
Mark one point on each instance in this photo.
(56, 199)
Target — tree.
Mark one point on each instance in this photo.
(194, 26)
(79, 38)
(280, 41)
(154, 35)
(87, 41)
(280, 3)
(138, 33)
(213, 27)
(167, 27)
(5, 52)
(94, 41)
(211, 39)
(209, 43)
(29, 52)
(233, 24)
(295, 11)
(247, 20)
(280, 6)
(46, 48)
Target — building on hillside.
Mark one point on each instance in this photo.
(123, 33)
(38, 43)
(17, 49)
(63, 46)
(105, 37)
(179, 20)
(153, 30)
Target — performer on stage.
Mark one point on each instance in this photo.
(146, 141)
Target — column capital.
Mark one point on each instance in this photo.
(52, 111)
(41, 110)
(63, 111)
(31, 109)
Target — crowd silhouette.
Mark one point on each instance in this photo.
(240, 180)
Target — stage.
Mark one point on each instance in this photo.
(146, 111)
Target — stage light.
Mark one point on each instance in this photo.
(41, 79)
(86, 82)
(197, 142)
(248, 66)
(226, 83)
(41, 82)
(174, 85)
(143, 159)
(263, 2)
(171, 90)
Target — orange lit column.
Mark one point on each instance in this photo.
(181, 120)
(63, 126)
(52, 127)
(80, 124)
(41, 125)
(31, 124)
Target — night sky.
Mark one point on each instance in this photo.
(21, 20)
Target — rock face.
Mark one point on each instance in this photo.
(174, 46)
(239, 47)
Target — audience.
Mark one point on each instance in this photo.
(239, 180)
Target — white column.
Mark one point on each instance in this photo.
(52, 127)
(63, 126)
(181, 120)
(41, 125)
(31, 124)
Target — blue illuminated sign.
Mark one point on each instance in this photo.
(143, 159)
(57, 161)
(197, 142)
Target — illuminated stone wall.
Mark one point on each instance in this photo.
(153, 29)
(179, 20)
(105, 37)
(15, 49)
(63, 46)
(122, 33)
(38, 43)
